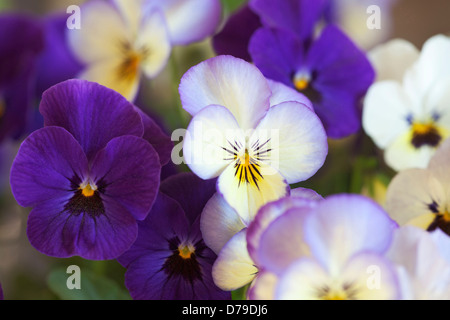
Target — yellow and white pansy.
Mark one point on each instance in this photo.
(256, 149)
(121, 40)
(407, 110)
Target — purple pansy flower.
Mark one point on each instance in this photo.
(56, 62)
(233, 39)
(88, 174)
(21, 41)
(329, 69)
(169, 259)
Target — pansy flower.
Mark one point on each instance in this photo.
(421, 197)
(22, 40)
(231, 238)
(406, 112)
(56, 62)
(88, 174)
(256, 136)
(169, 259)
(328, 68)
(326, 251)
(120, 40)
(422, 262)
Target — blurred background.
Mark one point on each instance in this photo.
(353, 164)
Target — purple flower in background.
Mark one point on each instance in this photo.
(56, 62)
(329, 69)
(88, 174)
(169, 259)
(233, 39)
(1, 292)
(21, 41)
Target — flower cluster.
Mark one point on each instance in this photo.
(259, 204)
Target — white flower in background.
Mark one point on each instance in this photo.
(353, 17)
(422, 263)
(407, 111)
(120, 40)
(421, 197)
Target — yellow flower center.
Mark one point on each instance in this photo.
(301, 83)
(88, 190)
(130, 65)
(186, 251)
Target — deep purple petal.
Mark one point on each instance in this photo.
(153, 264)
(235, 35)
(56, 63)
(277, 53)
(299, 16)
(128, 170)
(165, 221)
(92, 113)
(54, 231)
(339, 64)
(22, 39)
(191, 192)
(47, 165)
(339, 113)
(157, 138)
(106, 236)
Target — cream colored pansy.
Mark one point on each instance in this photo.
(407, 111)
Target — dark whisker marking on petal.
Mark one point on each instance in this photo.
(260, 146)
(233, 146)
(229, 151)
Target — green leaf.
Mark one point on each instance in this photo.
(240, 294)
(93, 286)
(229, 6)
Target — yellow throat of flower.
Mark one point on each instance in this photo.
(186, 251)
(88, 190)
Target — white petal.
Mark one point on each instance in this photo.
(271, 211)
(102, 33)
(385, 113)
(440, 166)
(428, 272)
(298, 142)
(154, 37)
(410, 193)
(219, 223)
(263, 286)
(393, 58)
(282, 93)
(402, 154)
(343, 225)
(301, 281)
(208, 135)
(247, 197)
(372, 277)
(283, 242)
(431, 67)
(131, 12)
(191, 20)
(229, 82)
(233, 267)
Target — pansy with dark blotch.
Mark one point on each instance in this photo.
(89, 174)
(169, 260)
(21, 41)
(329, 69)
